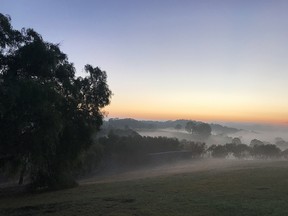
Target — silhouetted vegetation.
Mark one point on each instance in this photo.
(125, 148)
(266, 151)
(178, 127)
(236, 140)
(197, 149)
(200, 130)
(256, 142)
(177, 124)
(220, 129)
(133, 150)
(236, 150)
(47, 115)
(243, 151)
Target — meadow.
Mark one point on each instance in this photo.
(201, 188)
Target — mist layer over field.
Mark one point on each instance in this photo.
(262, 132)
(182, 167)
(218, 188)
(247, 132)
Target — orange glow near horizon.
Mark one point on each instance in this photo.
(262, 116)
(244, 105)
(197, 117)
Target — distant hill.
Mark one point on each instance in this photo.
(138, 124)
(122, 132)
(220, 129)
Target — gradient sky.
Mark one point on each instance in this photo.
(170, 59)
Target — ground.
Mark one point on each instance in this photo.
(198, 188)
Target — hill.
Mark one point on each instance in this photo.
(140, 124)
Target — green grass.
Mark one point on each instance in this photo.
(255, 190)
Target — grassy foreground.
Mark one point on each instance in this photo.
(255, 190)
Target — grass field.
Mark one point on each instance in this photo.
(252, 188)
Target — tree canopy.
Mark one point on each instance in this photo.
(47, 114)
(201, 130)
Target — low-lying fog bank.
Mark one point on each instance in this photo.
(266, 134)
(182, 167)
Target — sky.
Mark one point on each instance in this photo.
(206, 60)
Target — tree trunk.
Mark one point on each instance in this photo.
(22, 173)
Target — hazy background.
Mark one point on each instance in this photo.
(264, 132)
(206, 60)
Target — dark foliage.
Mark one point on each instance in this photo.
(133, 150)
(218, 151)
(256, 142)
(266, 151)
(47, 115)
(242, 151)
(198, 130)
(197, 149)
(178, 127)
(236, 140)
(177, 124)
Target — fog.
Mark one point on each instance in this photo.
(182, 134)
(264, 132)
(181, 167)
(119, 171)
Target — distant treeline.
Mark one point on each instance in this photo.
(130, 150)
(177, 124)
(243, 151)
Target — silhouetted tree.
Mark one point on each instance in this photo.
(236, 140)
(203, 130)
(178, 127)
(197, 148)
(238, 150)
(133, 150)
(190, 126)
(218, 151)
(199, 130)
(266, 151)
(256, 142)
(47, 115)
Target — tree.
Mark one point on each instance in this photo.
(178, 127)
(218, 151)
(266, 151)
(236, 140)
(203, 130)
(199, 130)
(256, 142)
(238, 150)
(197, 148)
(47, 114)
(190, 126)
